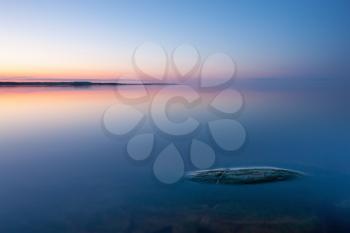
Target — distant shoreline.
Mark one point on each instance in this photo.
(71, 84)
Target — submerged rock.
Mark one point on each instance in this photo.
(244, 175)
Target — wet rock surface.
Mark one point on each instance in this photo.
(246, 175)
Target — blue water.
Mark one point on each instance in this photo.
(61, 172)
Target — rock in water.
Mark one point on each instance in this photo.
(245, 175)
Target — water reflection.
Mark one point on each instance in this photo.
(61, 172)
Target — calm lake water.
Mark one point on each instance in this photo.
(60, 171)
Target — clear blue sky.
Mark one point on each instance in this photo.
(266, 38)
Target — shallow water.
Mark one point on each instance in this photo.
(61, 171)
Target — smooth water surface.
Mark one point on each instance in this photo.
(61, 171)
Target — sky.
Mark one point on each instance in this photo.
(96, 39)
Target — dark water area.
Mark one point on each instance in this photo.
(61, 172)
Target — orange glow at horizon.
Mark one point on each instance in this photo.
(59, 74)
